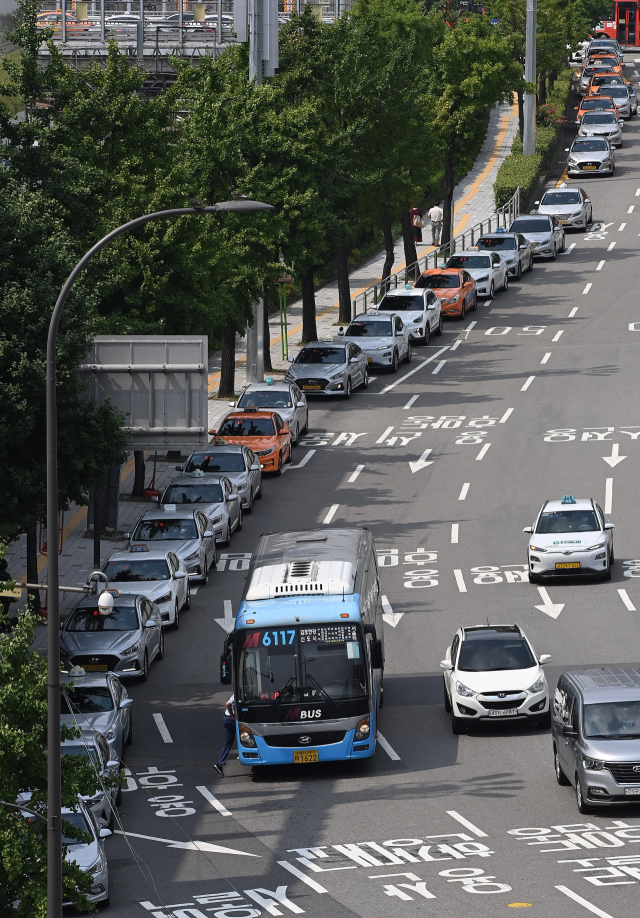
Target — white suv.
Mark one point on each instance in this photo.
(492, 672)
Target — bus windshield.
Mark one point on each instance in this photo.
(311, 663)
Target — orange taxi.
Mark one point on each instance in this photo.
(601, 82)
(454, 287)
(52, 19)
(594, 103)
(262, 431)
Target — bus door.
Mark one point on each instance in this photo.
(626, 18)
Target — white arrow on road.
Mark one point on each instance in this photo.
(189, 845)
(420, 464)
(614, 458)
(549, 608)
(391, 618)
(227, 622)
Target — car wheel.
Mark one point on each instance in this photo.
(160, 653)
(240, 520)
(530, 268)
(457, 725)
(555, 254)
(583, 806)
(129, 738)
(394, 363)
(462, 312)
(544, 722)
(306, 423)
(258, 494)
(365, 379)
(295, 439)
(519, 271)
(475, 303)
(505, 286)
(145, 668)
(563, 248)
(492, 291)
(427, 336)
(607, 574)
(187, 602)
(249, 508)
(289, 455)
(407, 359)
(227, 540)
(176, 621)
(561, 778)
(214, 559)
(612, 557)
(347, 392)
(440, 327)
(279, 470)
(447, 702)
(205, 577)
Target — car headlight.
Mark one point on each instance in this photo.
(418, 320)
(535, 548)
(572, 162)
(265, 452)
(596, 547)
(363, 730)
(464, 691)
(538, 685)
(337, 375)
(196, 554)
(383, 347)
(243, 486)
(246, 737)
(166, 598)
(454, 299)
(593, 764)
(110, 734)
(289, 376)
(133, 649)
(214, 522)
(96, 867)
(485, 277)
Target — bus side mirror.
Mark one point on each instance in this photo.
(225, 669)
(376, 654)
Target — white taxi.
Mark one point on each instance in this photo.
(488, 269)
(421, 311)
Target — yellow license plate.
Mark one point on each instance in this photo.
(368, 359)
(304, 756)
(312, 387)
(586, 168)
(565, 564)
(563, 221)
(96, 667)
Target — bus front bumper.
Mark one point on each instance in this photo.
(264, 754)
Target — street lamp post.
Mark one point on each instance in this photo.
(54, 801)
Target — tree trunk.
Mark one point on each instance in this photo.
(309, 328)
(542, 88)
(228, 366)
(449, 184)
(344, 292)
(388, 249)
(268, 366)
(32, 562)
(410, 254)
(520, 96)
(553, 76)
(139, 475)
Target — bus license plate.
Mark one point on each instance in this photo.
(632, 791)
(508, 712)
(304, 756)
(96, 667)
(562, 565)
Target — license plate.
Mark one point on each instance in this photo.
(368, 359)
(96, 667)
(563, 221)
(587, 168)
(312, 387)
(508, 712)
(562, 565)
(632, 791)
(304, 756)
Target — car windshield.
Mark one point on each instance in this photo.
(91, 618)
(402, 304)
(598, 102)
(137, 571)
(305, 664)
(80, 749)
(556, 521)
(81, 700)
(595, 69)
(469, 261)
(165, 530)
(531, 225)
(216, 462)
(373, 329)
(492, 654)
(78, 821)
(497, 243)
(612, 719)
(561, 197)
(266, 398)
(321, 355)
(617, 92)
(439, 281)
(599, 118)
(209, 493)
(608, 80)
(247, 427)
(589, 146)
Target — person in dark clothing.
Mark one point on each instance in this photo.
(229, 722)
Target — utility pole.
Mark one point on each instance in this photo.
(529, 140)
(255, 41)
(256, 21)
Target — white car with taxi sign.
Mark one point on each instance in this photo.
(488, 269)
(420, 308)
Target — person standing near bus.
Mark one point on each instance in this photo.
(229, 723)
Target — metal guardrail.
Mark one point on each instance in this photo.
(504, 216)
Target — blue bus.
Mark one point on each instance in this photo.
(306, 657)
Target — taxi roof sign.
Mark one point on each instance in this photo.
(568, 499)
(77, 671)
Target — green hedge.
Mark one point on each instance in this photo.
(525, 171)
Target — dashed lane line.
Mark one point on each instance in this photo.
(608, 495)
(464, 491)
(584, 902)
(393, 755)
(468, 825)
(624, 596)
(455, 531)
(505, 417)
(612, 245)
(600, 265)
(162, 728)
(456, 344)
(483, 452)
(546, 357)
(220, 807)
(569, 250)
(631, 208)
(573, 312)
(527, 384)
(411, 401)
(355, 474)
(621, 227)
(330, 515)
(587, 288)
(557, 336)
(439, 367)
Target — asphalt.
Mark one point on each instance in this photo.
(493, 791)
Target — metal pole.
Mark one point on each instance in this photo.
(97, 527)
(102, 20)
(64, 21)
(54, 834)
(255, 42)
(529, 140)
(180, 20)
(219, 35)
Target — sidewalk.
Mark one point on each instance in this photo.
(474, 202)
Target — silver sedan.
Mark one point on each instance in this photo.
(160, 575)
(102, 757)
(384, 338)
(512, 247)
(545, 234)
(329, 368)
(239, 463)
(284, 397)
(593, 155)
(183, 531)
(601, 124)
(215, 496)
(572, 206)
(98, 702)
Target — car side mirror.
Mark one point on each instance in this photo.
(587, 200)
(567, 730)
(179, 468)
(609, 526)
(376, 654)
(341, 334)
(112, 764)
(105, 833)
(544, 658)
(528, 529)
(566, 149)
(126, 703)
(232, 404)
(179, 575)
(212, 433)
(285, 429)
(353, 360)
(399, 334)
(208, 534)
(446, 665)
(126, 535)
(256, 467)
(536, 202)
(289, 359)
(151, 623)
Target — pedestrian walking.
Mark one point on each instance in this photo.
(229, 723)
(436, 215)
(417, 222)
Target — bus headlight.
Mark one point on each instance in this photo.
(363, 730)
(246, 737)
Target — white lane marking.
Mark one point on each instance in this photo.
(462, 587)
(612, 245)
(393, 755)
(384, 435)
(227, 623)
(587, 288)
(411, 401)
(302, 876)
(615, 458)
(488, 302)
(421, 463)
(438, 368)
(505, 417)
(468, 825)
(527, 384)
(571, 247)
(621, 227)
(483, 452)
(576, 898)
(573, 312)
(455, 529)
(473, 324)
(391, 618)
(465, 490)
(220, 807)
(546, 357)
(624, 596)
(557, 335)
(631, 209)
(608, 495)
(300, 465)
(455, 345)
(162, 728)
(188, 845)
(638, 193)
(549, 608)
(600, 265)
(415, 370)
(330, 515)
(355, 474)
